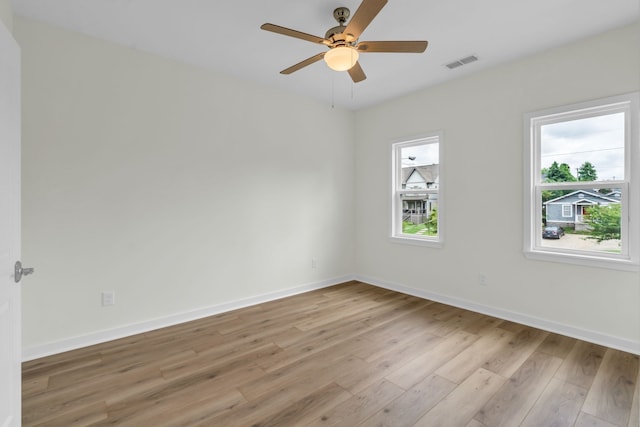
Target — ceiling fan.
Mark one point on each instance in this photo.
(342, 41)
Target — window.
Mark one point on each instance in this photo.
(581, 163)
(416, 204)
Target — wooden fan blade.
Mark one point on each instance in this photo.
(367, 10)
(294, 33)
(302, 64)
(356, 73)
(392, 47)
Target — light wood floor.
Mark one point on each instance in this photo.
(349, 355)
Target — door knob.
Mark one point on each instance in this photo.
(19, 271)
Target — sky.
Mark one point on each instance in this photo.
(426, 154)
(599, 140)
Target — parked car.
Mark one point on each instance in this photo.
(552, 232)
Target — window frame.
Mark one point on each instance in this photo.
(396, 235)
(629, 258)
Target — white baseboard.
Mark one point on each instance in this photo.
(559, 328)
(175, 319)
(98, 337)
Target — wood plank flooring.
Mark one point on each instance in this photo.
(348, 355)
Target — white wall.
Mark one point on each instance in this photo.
(180, 189)
(6, 14)
(176, 187)
(481, 117)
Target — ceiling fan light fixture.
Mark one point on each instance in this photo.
(342, 41)
(341, 58)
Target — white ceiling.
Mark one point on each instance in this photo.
(226, 36)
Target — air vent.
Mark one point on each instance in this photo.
(461, 62)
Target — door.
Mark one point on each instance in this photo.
(10, 338)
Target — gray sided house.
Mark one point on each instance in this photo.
(417, 207)
(572, 210)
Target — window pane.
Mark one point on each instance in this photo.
(584, 220)
(416, 181)
(419, 165)
(590, 149)
(420, 214)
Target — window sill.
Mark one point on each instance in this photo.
(584, 260)
(416, 241)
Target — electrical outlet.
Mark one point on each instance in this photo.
(482, 280)
(314, 263)
(108, 298)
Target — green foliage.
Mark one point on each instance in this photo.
(429, 228)
(432, 222)
(411, 228)
(548, 195)
(587, 172)
(558, 173)
(604, 222)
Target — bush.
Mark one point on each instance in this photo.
(432, 222)
(604, 222)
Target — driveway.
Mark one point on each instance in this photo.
(577, 241)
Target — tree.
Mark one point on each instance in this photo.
(587, 172)
(604, 222)
(558, 173)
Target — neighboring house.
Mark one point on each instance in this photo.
(572, 210)
(416, 208)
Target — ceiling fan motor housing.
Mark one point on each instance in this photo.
(335, 34)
